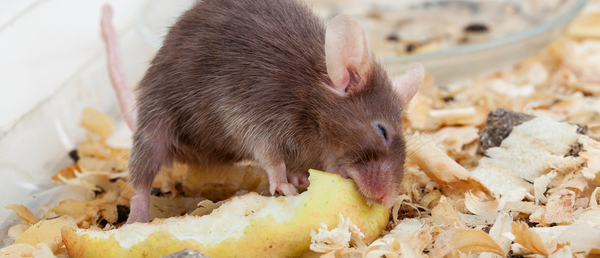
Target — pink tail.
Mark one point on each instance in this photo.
(115, 68)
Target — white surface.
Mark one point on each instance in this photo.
(44, 43)
(52, 65)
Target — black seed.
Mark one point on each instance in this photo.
(512, 255)
(486, 229)
(73, 155)
(476, 27)
(393, 37)
(155, 191)
(97, 192)
(448, 99)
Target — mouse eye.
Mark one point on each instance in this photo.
(382, 131)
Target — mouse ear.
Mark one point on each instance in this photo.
(346, 52)
(407, 84)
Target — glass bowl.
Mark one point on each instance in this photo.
(476, 59)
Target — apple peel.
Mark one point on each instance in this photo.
(245, 226)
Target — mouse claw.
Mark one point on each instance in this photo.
(286, 189)
(278, 180)
(297, 180)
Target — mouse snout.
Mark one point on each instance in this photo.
(376, 182)
(385, 195)
(387, 200)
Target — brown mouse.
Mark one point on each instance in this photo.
(265, 80)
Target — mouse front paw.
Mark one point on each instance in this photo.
(278, 180)
(286, 189)
(297, 180)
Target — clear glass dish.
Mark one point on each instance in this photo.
(465, 61)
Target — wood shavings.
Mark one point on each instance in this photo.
(444, 215)
(515, 195)
(559, 209)
(537, 73)
(470, 241)
(95, 182)
(399, 202)
(502, 225)
(522, 207)
(562, 203)
(478, 206)
(408, 239)
(471, 220)
(17, 230)
(97, 122)
(455, 179)
(455, 137)
(590, 155)
(18, 250)
(528, 239)
(431, 197)
(84, 212)
(456, 116)
(24, 214)
(498, 126)
(524, 155)
(585, 26)
(575, 182)
(44, 251)
(582, 237)
(325, 241)
(418, 112)
(439, 246)
(564, 251)
(46, 231)
(594, 198)
(540, 185)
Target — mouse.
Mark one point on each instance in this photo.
(267, 81)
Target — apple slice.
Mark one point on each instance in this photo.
(245, 226)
